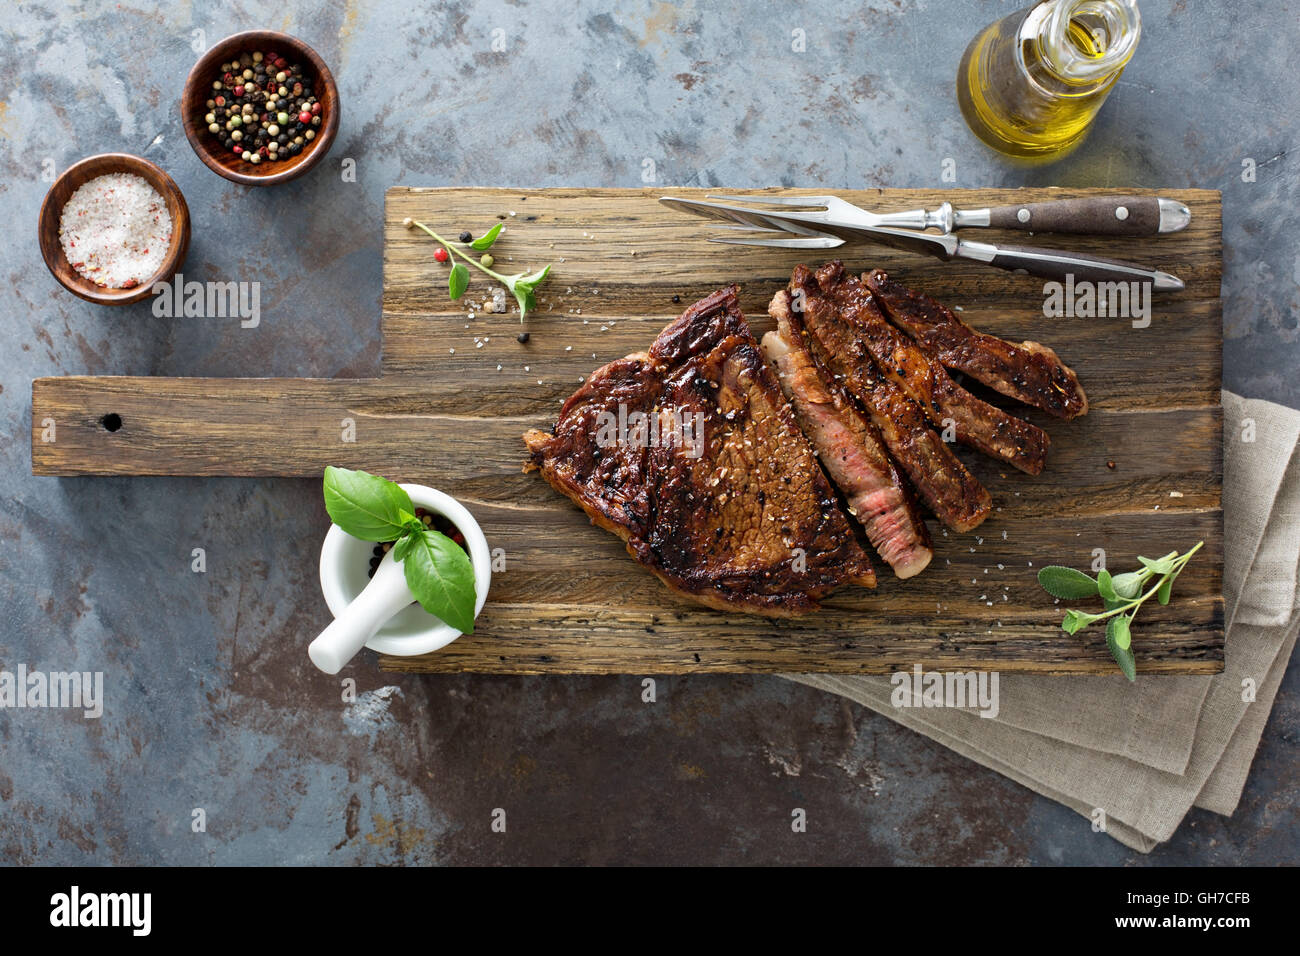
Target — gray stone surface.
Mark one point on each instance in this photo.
(211, 700)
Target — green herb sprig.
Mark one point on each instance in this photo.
(522, 286)
(1122, 596)
(437, 570)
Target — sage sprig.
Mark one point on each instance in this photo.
(1122, 596)
(522, 285)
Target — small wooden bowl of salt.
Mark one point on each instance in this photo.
(113, 225)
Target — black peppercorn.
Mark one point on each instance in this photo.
(522, 337)
(677, 298)
(270, 91)
(466, 236)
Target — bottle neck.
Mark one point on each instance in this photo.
(1083, 42)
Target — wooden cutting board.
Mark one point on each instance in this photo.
(1140, 474)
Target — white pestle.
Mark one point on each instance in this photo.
(384, 596)
(361, 609)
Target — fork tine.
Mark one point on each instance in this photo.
(747, 219)
(786, 228)
(778, 200)
(794, 242)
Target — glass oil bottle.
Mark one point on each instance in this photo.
(1030, 84)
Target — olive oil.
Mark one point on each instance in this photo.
(1031, 84)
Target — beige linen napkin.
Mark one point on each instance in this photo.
(1165, 743)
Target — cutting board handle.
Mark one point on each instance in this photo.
(120, 425)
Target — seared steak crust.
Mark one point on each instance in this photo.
(830, 317)
(751, 524)
(849, 448)
(975, 423)
(1029, 372)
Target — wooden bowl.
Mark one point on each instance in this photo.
(198, 90)
(71, 180)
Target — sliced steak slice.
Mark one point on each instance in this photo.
(849, 448)
(940, 479)
(946, 404)
(1029, 372)
(736, 513)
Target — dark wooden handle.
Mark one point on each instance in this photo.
(1094, 216)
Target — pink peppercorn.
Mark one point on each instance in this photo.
(440, 254)
(239, 90)
(304, 117)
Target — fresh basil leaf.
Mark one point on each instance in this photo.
(457, 280)
(403, 545)
(440, 575)
(366, 506)
(1104, 586)
(1123, 654)
(1066, 583)
(485, 241)
(1127, 585)
(1162, 566)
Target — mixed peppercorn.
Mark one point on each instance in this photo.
(431, 520)
(263, 108)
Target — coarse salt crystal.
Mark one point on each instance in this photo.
(115, 230)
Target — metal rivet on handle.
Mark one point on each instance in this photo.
(1121, 213)
(1023, 215)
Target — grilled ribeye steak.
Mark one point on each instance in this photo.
(1029, 372)
(737, 514)
(976, 423)
(849, 449)
(828, 316)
